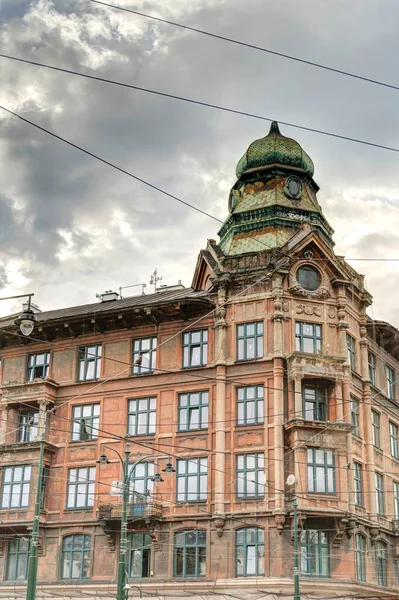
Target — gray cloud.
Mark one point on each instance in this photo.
(77, 227)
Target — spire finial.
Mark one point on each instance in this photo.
(274, 128)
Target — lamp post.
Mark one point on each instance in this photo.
(32, 564)
(27, 319)
(127, 474)
(291, 481)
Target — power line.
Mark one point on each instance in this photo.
(200, 103)
(251, 46)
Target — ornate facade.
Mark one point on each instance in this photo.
(268, 366)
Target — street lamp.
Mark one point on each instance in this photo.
(27, 319)
(103, 460)
(291, 481)
(32, 564)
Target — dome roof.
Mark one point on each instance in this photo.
(275, 148)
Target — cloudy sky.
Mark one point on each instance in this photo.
(71, 227)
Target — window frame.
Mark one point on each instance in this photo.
(381, 559)
(358, 484)
(14, 483)
(360, 557)
(372, 359)
(88, 483)
(144, 547)
(25, 429)
(188, 345)
(395, 488)
(394, 439)
(319, 403)
(30, 368)
(78, 428)
(201, 407)
(351, 349)
(200, 475)
(138, 353)
(150, 416)
(376, 428)
(17, 553)
(355, 412)
(259, 544)
(84, 551)
(185, 547)
(379, 491)
(314, 466)
(85, 357)
(148, 483)
(257, 337)
(256, 473)
(390, 378)
(258, 402)
(308, 545)
(300, 337)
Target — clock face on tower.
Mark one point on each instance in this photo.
(293, 187)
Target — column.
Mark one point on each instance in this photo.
(220, 412)
(41, 426)
(298, 397)
(3, 423)
(338, 401)
(279, 433)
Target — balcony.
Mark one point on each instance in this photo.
(29, 391)
(144, 510)
(315, 366)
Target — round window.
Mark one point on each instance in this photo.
(309, 278)
(293, 187)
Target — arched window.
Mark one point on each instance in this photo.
(381, 559)
(360, 549)
(250, 551)
(190, 553)
(75, 557)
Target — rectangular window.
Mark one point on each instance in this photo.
(393, 439)
(355, 415)
(80, 487)
(86, 420)
(142, 484)
(250, 405)
(375, 424)
(38, 365)
(250, 475)
(16, 486)
(190, 554)
(195, 348)
(250, 552)
(28, 422)
(144, 355)
(351, 347)
(250, 341)
(17, 559)
(360, 557)
(379, 490)
(76, 557)
(138, 554)
(89, 363)
(315, 553)
(381, 557)
(390, 374)
(321, 471)
(313, 403)
(308, 338)
(358, 484)
(396, 499)
(142, 416)
(193, 411)
(192, 479)
(371, 360)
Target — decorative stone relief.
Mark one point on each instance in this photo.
(331, 312)
(219, 522)
(308, 309)
(286, 306)
(249, 439)
(279, 519)
(321, 294)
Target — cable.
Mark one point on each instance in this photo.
(198, 103)
(247, 45)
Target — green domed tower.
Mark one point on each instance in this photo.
(274, 195)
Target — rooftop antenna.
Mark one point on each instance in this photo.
(154, 279)
(125, 287)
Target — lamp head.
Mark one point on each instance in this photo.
(26, 321)
(157, 478)
(103, 460)
(169, 468)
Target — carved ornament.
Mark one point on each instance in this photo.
(308, 309)
(321, 294)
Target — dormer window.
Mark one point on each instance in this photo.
(309, 278)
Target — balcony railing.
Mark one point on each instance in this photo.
(146, 508)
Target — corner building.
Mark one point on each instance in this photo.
(267, 366)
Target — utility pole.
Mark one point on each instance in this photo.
(32, 565)
(297, 595)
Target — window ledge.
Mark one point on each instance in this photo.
(76, 509)
(140, 435)
(186, 431)
(250, 425)
(75, 442)
(194, 367)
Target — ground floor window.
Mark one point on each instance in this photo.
(250, 551)
(17, 559)
(190, 554)
(139, 554)
(360, 557)
(76, 557)
(315, 553)
(381, 558)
